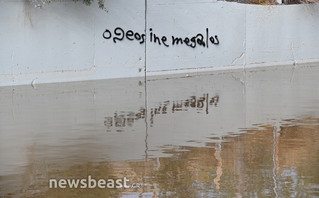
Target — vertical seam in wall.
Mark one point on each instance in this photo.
(145, 30)
(244, 68)
(145, 83)
(145, 53)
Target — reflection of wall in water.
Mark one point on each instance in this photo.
(123, 119)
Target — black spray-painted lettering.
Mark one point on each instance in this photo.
(129, 35)
(201, 40)
(164, 39)
(107, 32)
(213, 40)
(119, 32)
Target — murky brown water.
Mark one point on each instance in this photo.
(233, 134)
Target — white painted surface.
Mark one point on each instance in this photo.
(250, 35)
(227, 20)
(63, 41)
(282, 34)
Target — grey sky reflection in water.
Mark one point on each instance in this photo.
(247, 134)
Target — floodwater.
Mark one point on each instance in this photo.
(252, 133)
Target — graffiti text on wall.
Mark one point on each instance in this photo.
(202, 40)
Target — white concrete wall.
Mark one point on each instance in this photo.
(282, 34)
(250, 35)
(63, 41)
(227, 20)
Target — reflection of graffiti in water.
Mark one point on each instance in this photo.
(123, 119)
(120, 120)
